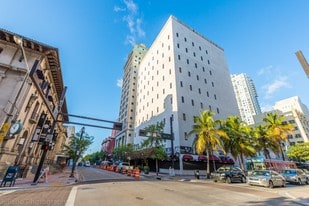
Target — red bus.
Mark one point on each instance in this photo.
(258, 163)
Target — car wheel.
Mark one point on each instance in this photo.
(243, 179)
(307, 181)
(228, 180)
(283, 184)
(299, 182)
(271, 184)
(215, 180)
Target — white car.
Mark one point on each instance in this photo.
(87, 163)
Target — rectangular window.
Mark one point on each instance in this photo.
(194, 54)
(184, 116)
(202, 105)
(182, 99)
(179, 69)
(197, 77)
(185, 39)
(178, 57)
(186, 50)
(192, 43)
(177, 45)
(192, 102)
(199, 90)
(188, 62)
(190, 87)
(177, 34)
(189, 74)
(215, 96)
(218, 110)
(181, 85)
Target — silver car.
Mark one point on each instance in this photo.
(266, 178)
(296, 176)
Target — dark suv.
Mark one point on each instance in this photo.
(229, 174)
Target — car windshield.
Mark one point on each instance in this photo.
(261, 173)
(223, 169)
(288, 172)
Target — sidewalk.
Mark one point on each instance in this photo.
(52, 180)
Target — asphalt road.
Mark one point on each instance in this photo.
(101, 187)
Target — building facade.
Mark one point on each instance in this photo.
(182, 74)
(297, 114)
(246, 97)
(29, 102)
(128, 96)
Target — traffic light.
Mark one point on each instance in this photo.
(142, 133)
(117, 126)
(45, 147)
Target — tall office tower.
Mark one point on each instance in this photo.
(182, 74)
(128, 96)
(297, 114)
(246, 97)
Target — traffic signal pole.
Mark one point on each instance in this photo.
(48, 141)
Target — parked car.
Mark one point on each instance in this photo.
(125, 165)
(87, 163)
(266, 178)
(296, 176)
(229, 174)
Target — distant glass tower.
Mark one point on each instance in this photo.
(246, 97)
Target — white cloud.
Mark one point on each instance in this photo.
(265, 70)
(277, 84)
(133, 21)
(266, 108)
(131, 6)
(117, 9)
(119, 83)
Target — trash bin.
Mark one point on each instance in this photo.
(197, 174)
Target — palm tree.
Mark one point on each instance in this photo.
(278, 129)
(207, 135)
(239, 143)
(263, 142)
(155, 140)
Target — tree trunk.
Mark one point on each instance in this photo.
(157, 166)
(208, 165)
(73, 168)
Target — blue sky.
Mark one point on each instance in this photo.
(94, 37)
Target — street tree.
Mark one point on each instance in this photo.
(79, 143)
(239, 143)
(95, 157)
(299, 152)
(121, 153)
(155, 141)
(208, 136)
(278, 129)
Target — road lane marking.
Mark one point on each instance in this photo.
(71, 199)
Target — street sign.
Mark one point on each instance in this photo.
(166, 136)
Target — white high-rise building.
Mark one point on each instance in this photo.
(246, 97)
(297, 114)
(182, 74)
(128, 96)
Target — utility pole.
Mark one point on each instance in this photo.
(172, 141)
